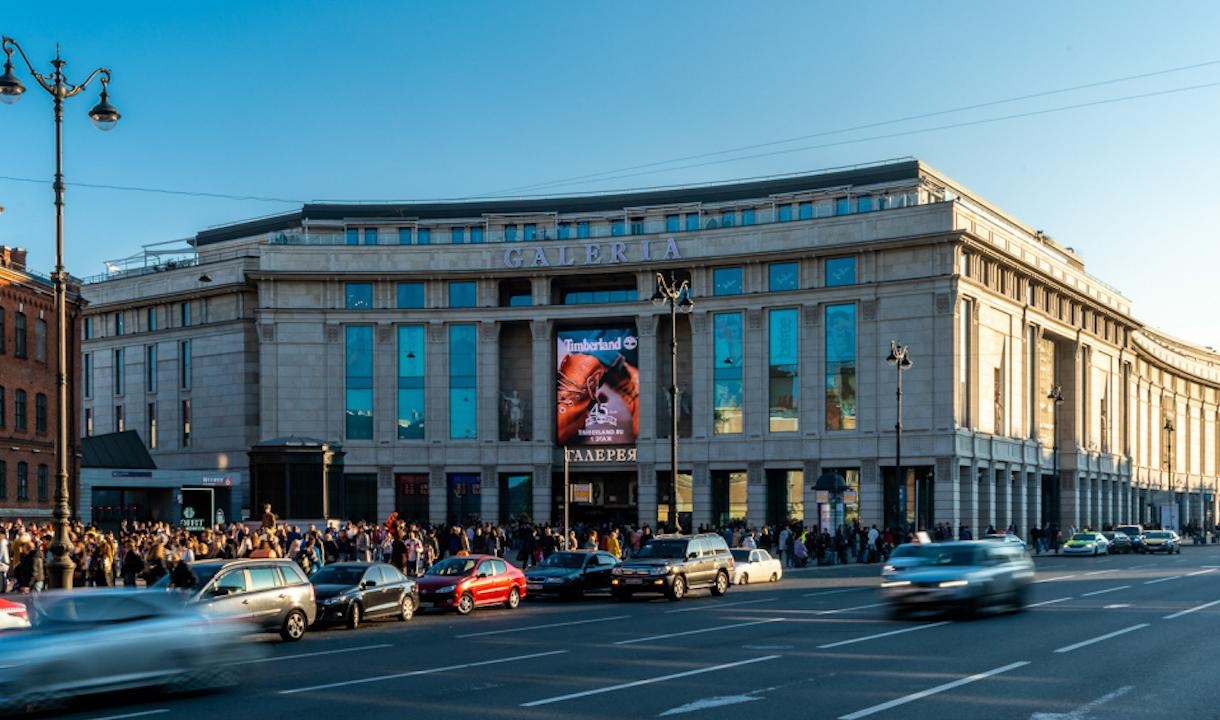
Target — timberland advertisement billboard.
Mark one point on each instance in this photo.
(598, 387)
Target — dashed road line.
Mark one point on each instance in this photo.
(718, 605)
(849, 609)
(648, 681)
(1164, 579)
(542, 627)
(853, 641)
(1049, 602)
(277, 658)
(1058, 577)
(1100, 638)
(1107, 590)
(932, 691)
(1188, 611)
(413, 673)
(633, 641)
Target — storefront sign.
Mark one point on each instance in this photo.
(582, 493)
(217, 481)
(602, 455)
(597, 387)
(198, 508)
(851, 497)
(822, 496)
(612, 253)
(131, 473)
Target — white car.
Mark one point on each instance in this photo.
(756, 566)
(1087, 543)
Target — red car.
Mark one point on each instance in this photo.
(13, 615)
(467, 582)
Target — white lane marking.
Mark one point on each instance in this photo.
(1099, 638)
(1164, 579)
(1116, 606)
(1057, 577)
(697, 632)
(1188, 611)
(413, 673)
(833, 592)
(1049, 602)
(277, 658)
(1102, 572)
(1083, 712)
(717, 606)
(649, 681)
(542, 627)
(143, 713)
(1201, 572)
(1103, 592)
(841, 643)
(709, 703)
(849, 609)
(932, 691)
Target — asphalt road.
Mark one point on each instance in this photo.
(1112, 637)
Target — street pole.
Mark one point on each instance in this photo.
(1169, 428)
(104, 116)
(1055, 396)
(567, 497)
(900, 358)
(677, 296)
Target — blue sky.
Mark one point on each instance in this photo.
(395, 100)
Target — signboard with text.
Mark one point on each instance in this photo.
(597, 387)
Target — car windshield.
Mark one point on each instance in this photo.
(664, 549)
(1108, 535)
(911, 550)
(565, 560)
(1159, 535)
(453, 567)
(203, 574)
(1130, 531)
(76, 611)
(1083, 537)
(953, 556)
(741, 556)
(337, 575)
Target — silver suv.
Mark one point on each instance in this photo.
(962, 576)
(674, 564)
(274, 594)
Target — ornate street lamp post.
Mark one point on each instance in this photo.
(677, 296)
(900, 358)
(104, 116)
(1169, 429)
(1055, 396)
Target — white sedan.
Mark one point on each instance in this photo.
(756, 566)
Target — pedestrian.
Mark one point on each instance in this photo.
(183, 576)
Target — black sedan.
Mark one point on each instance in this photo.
(349, 592)
(571, 574)
(1119, 542)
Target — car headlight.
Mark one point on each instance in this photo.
(887, 568)
(617, 571)
(447, 589)
(895, 583)
(1088, 545)
(953, 583)
(333, 600)
(659, 570)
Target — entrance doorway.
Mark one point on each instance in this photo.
(614, 499)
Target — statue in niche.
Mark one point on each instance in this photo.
(514, 413)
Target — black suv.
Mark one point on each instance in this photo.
(673, 564)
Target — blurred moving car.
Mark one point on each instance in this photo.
(1135, 533)
(467, 582)
(673, 564)
(1166, 541)
(1086, 543)
(350, 592)
(13, 615)
(86, 642)
(571, 573)
(905, 557)
(1119, 542)
(962, 576)
(755, 566)
(274, 594)
(1007, 538)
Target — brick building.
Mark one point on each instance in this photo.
(27, 388)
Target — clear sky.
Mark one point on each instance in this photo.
(396, 100)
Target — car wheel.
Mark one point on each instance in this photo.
(744, 579)
(774, 577)
(354, 615)
(406, 608)
(294, 626)
(465, 604)
(721, 585)
(678, 590)
(514, 599)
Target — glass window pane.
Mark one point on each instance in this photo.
(785, 212)
(727, 373)
(410, 295)
(840, 367)
(728, 218)
(783, 276)
(476, 234)
(404, 236)
(510, 233)
(864, 203)
(565, 230)
(805, 210)
(784, 369)
(840, 271)
(673, 223)
(582, 229)
(353, 236)
(370, 236)
(747, 216)
(457, 235)
(424, 235)
(411, 409)
(531, 232)
(463, 381)
(692, 221)
(358, 295)
(842, 206)
(726, 281)
(516, 498)
(617, 227)
(359, 376)
(463, 294)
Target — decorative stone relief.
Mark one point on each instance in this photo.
(868, 309)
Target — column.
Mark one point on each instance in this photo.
(871, 496)
(385, 384)
(438, 495)
(756, 495)
(1003, 513)
(436, 393)
(969, 497)
(542, 495)
(809, 495)
(646, 498)
(646, 328)
(701, 496)
(1020, 513)
(1033, 487)
(754, 380)
(1069, 501)
(947, 505)
(544, 389)
(489, 494)
(986, 499)
(700, 391)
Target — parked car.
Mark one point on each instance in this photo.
(755, 566)
(464, 583)
(1086, 543)
(274, 594)
(1136, 535)
(1119, 542)
(571, 574)
(350, 592)
(13, 615)
(84, 643)
(673, 564)
(963, 576)
(1166, 541)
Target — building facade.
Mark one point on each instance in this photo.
(28, 428)
(451, 350)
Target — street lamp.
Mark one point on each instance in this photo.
(677, 296)
(104, 116)
(1169, 430)
(1055, 396)
(900, 358)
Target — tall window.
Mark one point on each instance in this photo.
(617, 227)
(184, 364)
(117, 371)
(673, 223)
(40, 340)
(565, 230)
(424, 235)
(805, 210)
(40, 414)
(353, 236)
(118, 323)
(410, 295)
(42, 483)
(964, 363)
(840, 271)
(184, 314)
(119, 424)
(729, 497)
(582, 228)
(530, 232)
(692, 223)
(784, 369)
(150, 368)
(20, 421)
(87, 371)
(19, 336)
(726, 281)
(151, 434)
(727, 373)
(186, 423)
(728, 218)
(510, 232)
(152, 318)
(841, 367)
(3, 408)
(411, 408)
(88, 329)
(358, 295)
(463, 381)
(404, 236)
(864, 203)
(747, 216)
(463, 294)
(88, 326)
(516, 497)
(23, 481)
(3, 480)
(783, 276)
(359, 370)
(842, 206)
(476, 234)
(88, 422)
(370, 236)
(785, 212)
(457, 235)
